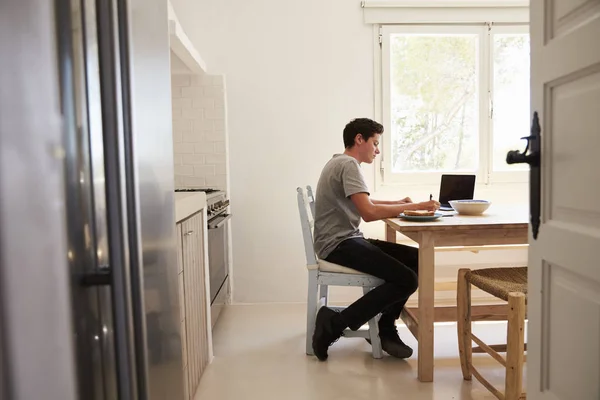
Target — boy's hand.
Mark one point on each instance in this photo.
(430, 205)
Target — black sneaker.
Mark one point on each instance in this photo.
(327, 332)
(392, 344)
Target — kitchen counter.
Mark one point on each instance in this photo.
(187, 204)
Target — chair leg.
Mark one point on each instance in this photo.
(311, 309)
(515, 346)
(463, 302)
(324, 294)
(374, 333)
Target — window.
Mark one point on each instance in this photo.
(455, 100)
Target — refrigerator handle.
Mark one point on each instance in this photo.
(124, 274)
(101, 277)
(131, 194)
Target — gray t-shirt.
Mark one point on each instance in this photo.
(336, 217)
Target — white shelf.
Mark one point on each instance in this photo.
(183, 48)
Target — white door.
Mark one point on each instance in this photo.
(563, 361)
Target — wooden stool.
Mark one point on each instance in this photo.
(509, 284)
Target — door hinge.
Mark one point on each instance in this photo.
(380, 36)
(489, 26)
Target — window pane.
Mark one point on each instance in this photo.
(511, 97)
(434, 107)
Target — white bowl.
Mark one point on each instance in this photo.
(470, 207)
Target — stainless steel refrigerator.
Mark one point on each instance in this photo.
(88, 277)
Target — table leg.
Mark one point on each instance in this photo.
(426, 306)
(390, 234)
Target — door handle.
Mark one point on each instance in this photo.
(220, 223)
(531, 156)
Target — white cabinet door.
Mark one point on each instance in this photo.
(183, 330)
(195, 299)
(563, 361)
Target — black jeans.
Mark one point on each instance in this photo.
(396, 264)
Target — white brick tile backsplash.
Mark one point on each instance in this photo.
(182, 125)
(221, 169)
(183, 148)
(214, 137)
(216, 113)
(215, 159)
(193, 159)
(177, 137)
(180, 80)
(206, 80)
(199, 135)
(197, 80)
(215, 92)
(204, 148)
(217, 180)
(203, 170)
(182, 103)
(217, 95)
(204, 126)
(192, 92)
(218, 80)
(206, 104)
(185, 170)
(192, 113)
(192, 138)
(189, 181)
(220, 148)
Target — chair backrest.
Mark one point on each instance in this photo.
(311, 201)
(306, 202)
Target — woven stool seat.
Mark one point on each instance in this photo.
(500, 282)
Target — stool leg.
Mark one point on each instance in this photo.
(311, 309)
(515, 346)
(374, 333)
(463, 302)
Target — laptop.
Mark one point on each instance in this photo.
(456, 187)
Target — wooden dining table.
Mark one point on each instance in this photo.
(497, 226)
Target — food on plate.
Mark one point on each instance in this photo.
(419, 213)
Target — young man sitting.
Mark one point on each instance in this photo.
(342, 200)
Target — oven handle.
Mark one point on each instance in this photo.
(225, 218)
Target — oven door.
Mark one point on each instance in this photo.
(218, 263)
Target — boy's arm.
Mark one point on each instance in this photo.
(370, 211)
(392, 202)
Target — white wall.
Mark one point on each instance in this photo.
(297, 72)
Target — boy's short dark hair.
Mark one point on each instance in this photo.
(360, 126)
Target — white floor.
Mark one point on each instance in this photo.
(259, 354)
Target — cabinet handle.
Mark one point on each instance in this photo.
(188, 233)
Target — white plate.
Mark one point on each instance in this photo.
(421, 218)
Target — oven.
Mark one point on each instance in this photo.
(218, 263)
(217, 212)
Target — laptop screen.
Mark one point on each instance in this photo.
(456, 187)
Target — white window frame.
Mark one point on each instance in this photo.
(502, 176)
(485, 31)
